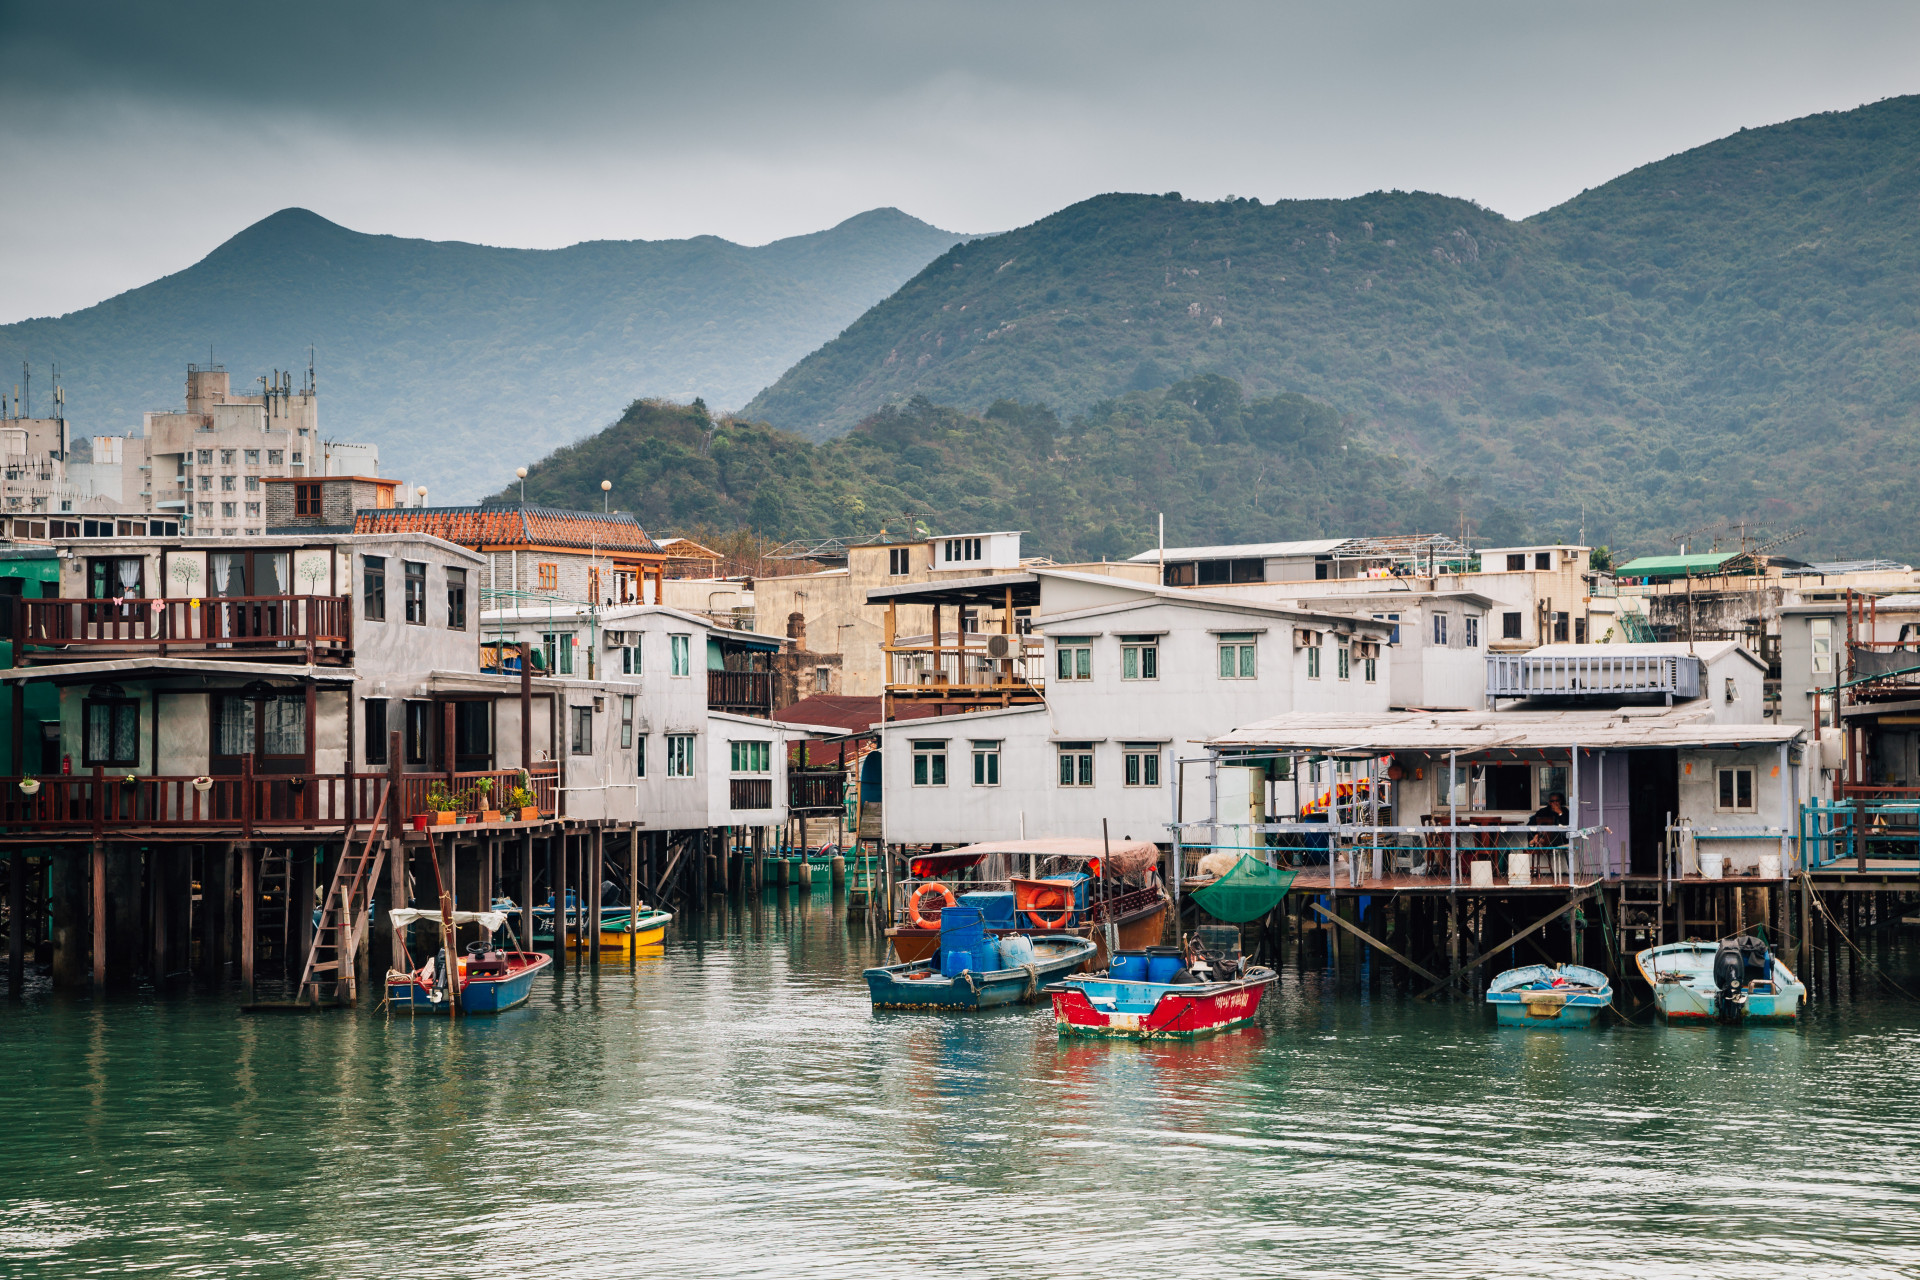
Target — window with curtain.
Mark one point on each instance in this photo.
(374, 592)
(113, 731)
(283, 727)
(233, 727)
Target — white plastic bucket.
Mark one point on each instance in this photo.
(1769, 866)
(1520, 868)
(1482, 874)
(1712, 865)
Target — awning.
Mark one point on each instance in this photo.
(1126, 857)
(488, 920)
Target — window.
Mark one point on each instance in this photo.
(1393, 637)
(306, 499)
(581, 741)
(557, 648)
(640, 756)
(679, 755)
(253, 510)
(1139, 657)
(549, 576)
(1560, 627)
(1076, 764)
(1073, 659)
(751, 757)
(296, 462)
(373, 588)
(1736, 791)
(1369, 669)
(416, 592)
(1510, 626)
(626, 720)
(930, 764)
(986, 764)
(206, 457)
(1508, 786)
(1580, 630)
(1313, 662)
(253, 484)
(1820, 632)
(1473, 630)
(1543, 559)
(456, 599)
(899, 561)
(593, 583)
(1237, 658)
(206, 509)
(113, 731)
(961, 550)
(226, 484)
(1342, 662)
(228, 509)
(253, 457)
(679, 648)
(823, 679)
(206, 482)
(375, 717)
(1517, 562)
(630, 658)
(116, 576)
(1440, 630)
(226, 457)
(276, 457)
(1142, 764)
(419, 732)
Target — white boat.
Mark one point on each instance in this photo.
(1735, 982)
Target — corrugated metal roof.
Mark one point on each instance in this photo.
(1246, 550)
(1647, 566)
(1487, 730)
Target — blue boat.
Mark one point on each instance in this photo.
(1549, 998)
(490, 982)
(1025, 963)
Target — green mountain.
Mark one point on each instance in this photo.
(1723, 337)
(1219, 465)
(463, 361)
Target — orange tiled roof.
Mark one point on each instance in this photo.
(512, 527)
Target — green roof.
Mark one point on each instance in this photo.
(1673, 566)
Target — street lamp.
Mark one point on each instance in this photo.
(522, 473)
(606, 487)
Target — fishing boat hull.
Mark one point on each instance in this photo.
(1156, 1010)
(478, 995)
(1684, 991)
(1525, 997)
(915, 986)
(650, 930)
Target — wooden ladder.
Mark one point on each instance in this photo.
(343, 913)
(275, 908)
(1643, 911)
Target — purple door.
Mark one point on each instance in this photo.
(1603, 804)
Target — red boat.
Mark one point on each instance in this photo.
(1101, 1006)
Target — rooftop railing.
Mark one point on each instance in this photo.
(1530, 675)
(318, 624)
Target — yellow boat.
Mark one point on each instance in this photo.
(649, 930)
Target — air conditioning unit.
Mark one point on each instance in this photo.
(999, 646)
(617, 639)
(1303, 638)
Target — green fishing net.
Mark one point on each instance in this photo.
(1245, 893)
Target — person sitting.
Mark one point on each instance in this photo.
(1551, 814)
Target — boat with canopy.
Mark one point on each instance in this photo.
(485, 979)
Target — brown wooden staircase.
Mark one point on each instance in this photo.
(343, 916)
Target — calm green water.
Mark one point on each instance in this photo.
(735, 1108)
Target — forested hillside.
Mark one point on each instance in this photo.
(1725, 336)
(463, 361)
(1220, 465)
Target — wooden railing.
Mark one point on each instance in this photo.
(468, 798)
(174, 624)
(968, 669)
(750, 691)
(750, 793)
(816, 789)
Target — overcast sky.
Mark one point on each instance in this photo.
(135, 136)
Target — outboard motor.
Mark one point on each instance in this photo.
(1737, 965)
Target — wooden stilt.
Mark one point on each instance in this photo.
(16, 921)
(526, 891)
(598, 856)
(249, 910)
(1334, 919)
(99, 914)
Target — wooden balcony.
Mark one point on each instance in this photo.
(304, 628)
(967, 676)
(816, 790)
(750, 793)
(746, 693)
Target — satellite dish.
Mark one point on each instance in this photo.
(999, 646)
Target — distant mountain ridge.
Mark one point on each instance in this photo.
(1725, 336)
(463, 361)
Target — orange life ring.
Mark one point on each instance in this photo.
(913, 904)
(1050, 898)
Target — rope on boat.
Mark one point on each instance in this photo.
(1033, 982)
(1878, 972)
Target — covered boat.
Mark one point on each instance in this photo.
(648, 926)
(1165, 993)
(1091, 883)
(1736, 981)
(1024, 963)
(486, 980)
(1549, 997)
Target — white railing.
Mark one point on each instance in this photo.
(1526, 675)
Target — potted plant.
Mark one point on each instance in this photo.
(29, 785)
(483, 790)
(441, 802)
(203, 784)
(522, 799)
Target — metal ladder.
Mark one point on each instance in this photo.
(343, 914)
(1643, 913)
(274, 908)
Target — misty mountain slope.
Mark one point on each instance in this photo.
(464, 361)
(1720, 336)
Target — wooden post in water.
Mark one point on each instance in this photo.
(557, 860)
(592, 920)
(633, 884)
(526, 890)
(17, 915)
(249, 913)
(99, 896)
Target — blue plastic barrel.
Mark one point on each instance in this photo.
(954, 963)
(1128, 966)
(1163, 963)
(986, 956)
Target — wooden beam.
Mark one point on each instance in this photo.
(1375, 943)
(99, 912)
(1497, 948)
